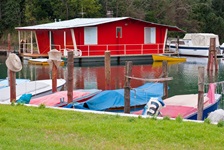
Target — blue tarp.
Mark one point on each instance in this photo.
(115, 98)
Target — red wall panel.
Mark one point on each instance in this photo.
(43, 41)
(132, 39)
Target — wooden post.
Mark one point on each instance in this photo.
(165, 83)
(200, 93)
(70, 66)
(128, 72)
(215, 56)
(210, 76)
(107, 70)
(54, 77)
(12, 76)
(212, 57)
(9, 43)
(177, 46)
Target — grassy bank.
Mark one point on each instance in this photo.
(23, 127)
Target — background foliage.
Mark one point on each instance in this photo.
(189, 15)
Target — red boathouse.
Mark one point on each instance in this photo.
(122, 36)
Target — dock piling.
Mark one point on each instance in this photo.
(54, 78)
(212, 57)
(70, 66)
(165, 83)
(200, 93)
(127, 88)
(11, 75)
(107, 65)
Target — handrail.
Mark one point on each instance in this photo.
(119, 49)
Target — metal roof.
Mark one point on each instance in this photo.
(84, 22)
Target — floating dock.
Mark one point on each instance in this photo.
(42, 61)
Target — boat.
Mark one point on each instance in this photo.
(159, 58)
(5, 82)
(111, 100)
(41, 61)
(185, 106)
(36, 88)
(195, 44)
(158, 64)
(60, 98)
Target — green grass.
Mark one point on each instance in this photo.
(23, 127)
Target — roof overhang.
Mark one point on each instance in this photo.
(85, 22)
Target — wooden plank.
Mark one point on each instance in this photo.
(151, 80)
(34, 55)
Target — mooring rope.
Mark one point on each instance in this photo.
(151, 80)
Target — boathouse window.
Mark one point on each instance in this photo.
(118, 32)
(90, 35)
(150, 35)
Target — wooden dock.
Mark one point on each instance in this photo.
(115, 59)
(34, 55)
(43, 62)
(3, 52)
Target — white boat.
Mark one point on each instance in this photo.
(195, 44)
(36, 88)
(5, 82)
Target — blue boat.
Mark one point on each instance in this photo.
(186, 105)
(114, 99)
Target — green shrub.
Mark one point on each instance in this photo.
(220, 124)
(166, 118)
(208, 121)
(42, 106)
(179, 118)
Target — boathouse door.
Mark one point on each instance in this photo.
(118, 36)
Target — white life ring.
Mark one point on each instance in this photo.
(77, 52)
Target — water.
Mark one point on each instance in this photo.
(185, 75)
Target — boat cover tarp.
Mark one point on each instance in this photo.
(115, 98)
(201, 39)
(54, 99)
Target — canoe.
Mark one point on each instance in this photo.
(36, 88)
(60, 98)
(42, 61)
(168, 58)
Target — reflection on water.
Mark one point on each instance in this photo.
(185, 75)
